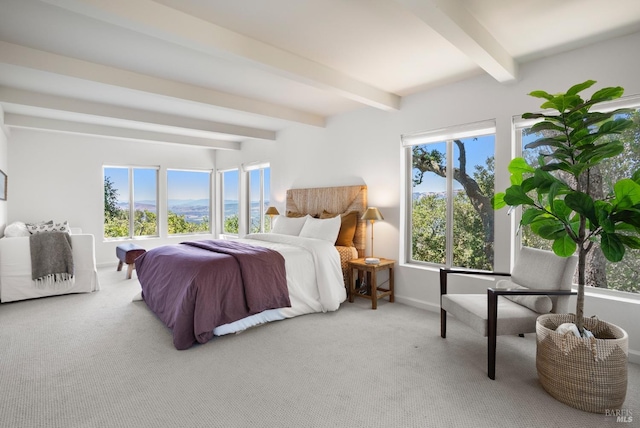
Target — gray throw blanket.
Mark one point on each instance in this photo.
(51, 259)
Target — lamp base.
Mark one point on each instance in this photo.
(372, 260)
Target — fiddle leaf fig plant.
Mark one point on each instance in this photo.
(557, 195)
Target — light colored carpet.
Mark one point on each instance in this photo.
(100, 360)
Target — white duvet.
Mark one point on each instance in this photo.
(314, 278)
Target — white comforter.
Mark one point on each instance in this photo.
(314, 278)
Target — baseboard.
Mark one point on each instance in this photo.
(420, 304)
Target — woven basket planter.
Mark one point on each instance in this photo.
(588, 374)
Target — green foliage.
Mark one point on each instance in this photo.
(254, 227)
(117, 226)
(145, 223)
(116, 220)
(423, 159)
(178, 224)
(429, 232)
(565, 210)
(231, 224)
(428, 229)
(111, 209)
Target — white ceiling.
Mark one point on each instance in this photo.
(218, 72)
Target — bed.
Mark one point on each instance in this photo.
(203, 289)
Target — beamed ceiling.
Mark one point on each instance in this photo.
(215, 73)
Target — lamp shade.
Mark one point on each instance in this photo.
(272, 211)
(372, 213)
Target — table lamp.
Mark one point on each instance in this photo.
(271, 211)
(372, 214)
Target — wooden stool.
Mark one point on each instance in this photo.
(128, 253)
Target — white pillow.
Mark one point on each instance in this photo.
(16, 230)
(325, 229)
(289, 225)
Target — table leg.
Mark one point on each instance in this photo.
(352, 287)
(374, 290)
(391, 285)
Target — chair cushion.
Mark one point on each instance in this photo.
(471, 309)
(539, 269)
(539, 304)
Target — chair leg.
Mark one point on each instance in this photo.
(492, 321)
(491, 364)
(443, 323)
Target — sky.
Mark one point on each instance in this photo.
(188, 184)
(254, 184)
(181, 184)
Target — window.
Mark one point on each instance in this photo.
(130, 202)
(188, 201)
(450, 220)
(230, 208)
(621, 276)
(259, 189)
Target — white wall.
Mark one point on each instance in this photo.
(364, 147)
(4, 166)
(57, 176)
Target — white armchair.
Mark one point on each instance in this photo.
(15, 269)
(539, 283)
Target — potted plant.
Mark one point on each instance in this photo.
(559, 204)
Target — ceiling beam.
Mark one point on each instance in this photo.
(56, 125)
(454, 22)
(45, 61)
(160, 21)
(181, 124)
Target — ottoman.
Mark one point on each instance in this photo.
(128, 253)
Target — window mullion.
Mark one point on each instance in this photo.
(449, 210)
(261, 211)
(131, 205)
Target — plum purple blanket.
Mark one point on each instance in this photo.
(196, 286)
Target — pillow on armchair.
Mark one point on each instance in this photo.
(16, 229)
(539, 304)
(48, 226)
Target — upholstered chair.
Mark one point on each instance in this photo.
(539, 283)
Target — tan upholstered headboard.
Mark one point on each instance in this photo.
(334, 200)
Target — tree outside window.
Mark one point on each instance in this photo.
(621, 276)
(452, 220)
(130, 202)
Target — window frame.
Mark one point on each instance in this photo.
(446, 135)
(249, 169)
(131, 185)
(518, 124)
(221, 198)
(210, 194)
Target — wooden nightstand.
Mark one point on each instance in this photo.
(371, 270)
